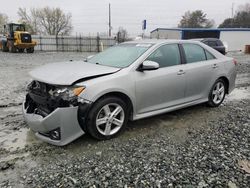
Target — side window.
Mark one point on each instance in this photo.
(194, 53)
(209, 55)
(206, 42)
(219, 43)
(212, 43)
(167, 55)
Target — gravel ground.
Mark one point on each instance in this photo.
(192, 147)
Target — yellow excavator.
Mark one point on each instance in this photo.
(16, 39)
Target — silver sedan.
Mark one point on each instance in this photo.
(130, 81)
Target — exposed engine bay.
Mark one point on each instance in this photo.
(42, 98)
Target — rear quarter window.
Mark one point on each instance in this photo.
(194, 53)
(209, 55)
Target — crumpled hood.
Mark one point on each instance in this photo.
(66, 73)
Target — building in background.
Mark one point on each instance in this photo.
(236, 39)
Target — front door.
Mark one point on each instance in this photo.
(164, 87)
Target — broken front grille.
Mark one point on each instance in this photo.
(40, 101)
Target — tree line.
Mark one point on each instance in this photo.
(240, 20)
(53, 21)
(198, 19)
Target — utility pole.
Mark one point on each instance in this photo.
(109, 21)
(232, 10)
(232, 22)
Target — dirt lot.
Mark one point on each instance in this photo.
(193, 147)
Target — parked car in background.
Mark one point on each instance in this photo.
(129, 81)
(215, 43)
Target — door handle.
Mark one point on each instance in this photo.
(215, 66)
(181, 72)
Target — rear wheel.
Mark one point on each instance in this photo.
(107, 118)
(217, 93)
(30, 50)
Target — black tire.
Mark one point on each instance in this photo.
(20, 50)
(4, 47)
(30, 50)
(98, 109)
(219, 95)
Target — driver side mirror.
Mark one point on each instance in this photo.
(148, 66)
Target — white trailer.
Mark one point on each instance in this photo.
(235, 38)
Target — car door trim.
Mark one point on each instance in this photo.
(182, 54)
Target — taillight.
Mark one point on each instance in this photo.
(235, 62)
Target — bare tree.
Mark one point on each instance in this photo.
(30, 20)
(122, 34)
(54, 21)
(195, 19)
(3, 20)
(244, 8)
(50, 21)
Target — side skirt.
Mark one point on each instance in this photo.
(170, 109)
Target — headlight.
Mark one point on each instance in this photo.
(68, 93)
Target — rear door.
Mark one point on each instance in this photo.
(164, 87)
(201, 70)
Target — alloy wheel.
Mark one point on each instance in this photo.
(218, 92)
(110, 119)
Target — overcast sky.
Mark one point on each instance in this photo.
(91, 16)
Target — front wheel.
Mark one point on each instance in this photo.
(30, 50)
(217, 93)
(20, 50)
(107, 118)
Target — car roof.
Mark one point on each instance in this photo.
(158, 41)
(204, 39)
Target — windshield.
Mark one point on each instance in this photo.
(17, 27)
(121, 55)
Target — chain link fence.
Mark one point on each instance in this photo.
(72, 44)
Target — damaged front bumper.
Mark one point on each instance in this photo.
(58, 128)
(54, 119)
